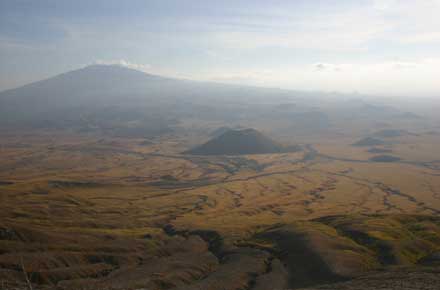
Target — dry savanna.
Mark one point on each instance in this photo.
(282, 195)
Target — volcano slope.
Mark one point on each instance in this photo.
(239, 142)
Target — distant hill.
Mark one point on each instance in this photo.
(238, 142)
(391, 133)
(384, 158)
(369, 141)
(376, 150)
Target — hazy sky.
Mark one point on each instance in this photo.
(374, 46)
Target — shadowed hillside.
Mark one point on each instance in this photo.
(369, 141)
(285, 256)
(394, 279)
(237, 142)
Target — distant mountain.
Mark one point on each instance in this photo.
(238, 142)
(117, 100)
(90, 85)
(109, 98)
(126, 102)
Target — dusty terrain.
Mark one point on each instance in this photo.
(99, 189)
(81, 212)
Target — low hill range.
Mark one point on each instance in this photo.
(393, 133)
(377, 138)
(369, 141)
(376, 150)
(384, 158)
(241, 142)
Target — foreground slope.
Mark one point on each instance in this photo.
(300, 254)
(406, 278)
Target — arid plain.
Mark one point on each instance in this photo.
(111, 178)
(87, 207)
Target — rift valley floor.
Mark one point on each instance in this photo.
(86, 212)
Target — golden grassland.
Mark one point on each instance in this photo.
(80, 195)
(50, 172)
